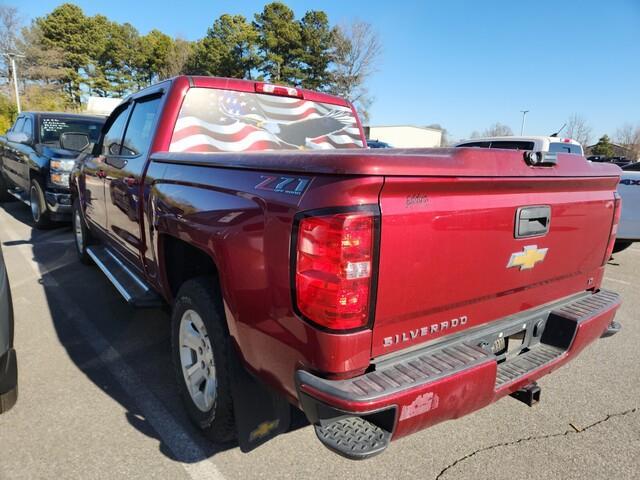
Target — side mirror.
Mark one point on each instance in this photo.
(74, 141)
(18, 137)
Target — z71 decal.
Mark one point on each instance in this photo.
(288, 185)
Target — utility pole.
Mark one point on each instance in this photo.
(524, 114)
(12, 58)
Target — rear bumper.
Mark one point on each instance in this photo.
(8, 380)
(450, 379)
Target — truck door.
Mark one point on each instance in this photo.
(23, 155)
(95, 166)
(123, 175)
(10, 155)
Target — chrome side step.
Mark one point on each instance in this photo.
(134, 289)
(20, 195)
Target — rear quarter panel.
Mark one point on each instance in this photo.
(244, 225)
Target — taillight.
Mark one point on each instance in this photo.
(335, 259)
(279, 90)
(617, 209)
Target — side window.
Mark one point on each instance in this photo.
(28, 127)
(17, 127)
(113, 136)
(137, 140)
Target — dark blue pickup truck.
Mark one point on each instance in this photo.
(36, 156)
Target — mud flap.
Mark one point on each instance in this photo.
(260, 413)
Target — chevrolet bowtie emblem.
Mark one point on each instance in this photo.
(527, 259)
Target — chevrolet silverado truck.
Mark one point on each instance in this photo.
(379, 291)
(37, 155)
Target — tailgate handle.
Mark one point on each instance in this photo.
(532, 221)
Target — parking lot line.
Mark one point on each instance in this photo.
(615, 280)
(177, 439)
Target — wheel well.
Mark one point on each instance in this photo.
(183, 261)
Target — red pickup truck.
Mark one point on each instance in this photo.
(380, 291)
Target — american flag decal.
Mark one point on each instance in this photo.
(229, 121)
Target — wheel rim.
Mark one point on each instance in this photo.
(35, 203)
(77, 227)
(196, 359)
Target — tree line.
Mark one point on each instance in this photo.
(69, 55)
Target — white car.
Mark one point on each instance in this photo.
(536, 143)
(629, 191)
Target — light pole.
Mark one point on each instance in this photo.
(12, 58)
(524, 114)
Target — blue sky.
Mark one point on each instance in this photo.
(463, 64)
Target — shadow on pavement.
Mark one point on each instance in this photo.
(141, 337)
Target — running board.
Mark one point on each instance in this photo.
(135, 290)
(20, 195)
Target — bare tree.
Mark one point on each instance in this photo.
(497, 130)
(357, 51)
(578, 129)
(9, 31)
(444, 139)
(178, 57)
(629, 137)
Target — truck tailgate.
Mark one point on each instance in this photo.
(450, 259)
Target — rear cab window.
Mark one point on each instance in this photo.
(558, 147)
(213, 120)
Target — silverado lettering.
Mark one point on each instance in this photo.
(297, 274)
(424, 331)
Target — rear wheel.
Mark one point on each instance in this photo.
(621, 245)
(201, 356)
(81, 234)
(39, 211)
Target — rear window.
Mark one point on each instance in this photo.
(565, 148)
(506, 144)
(512, 145)
(634, 167)
(227, 121)
(52, 127)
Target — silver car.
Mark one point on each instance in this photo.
(8, 364)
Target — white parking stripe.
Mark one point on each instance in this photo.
(193, 459)
(615, 280)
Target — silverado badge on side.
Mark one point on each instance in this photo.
(527, 259)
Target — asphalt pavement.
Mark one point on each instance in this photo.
(97, 395)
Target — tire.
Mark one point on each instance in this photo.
(39, 212)
(621, 245)
(198, 320)
(81, 233)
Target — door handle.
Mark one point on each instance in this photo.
(532, 221)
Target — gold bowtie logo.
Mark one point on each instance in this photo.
(528, 258)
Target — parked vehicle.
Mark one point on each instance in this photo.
(36, 157)
(536, 143)
(380, 291)
(629, 191)
(8, 363)
(377, 144)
